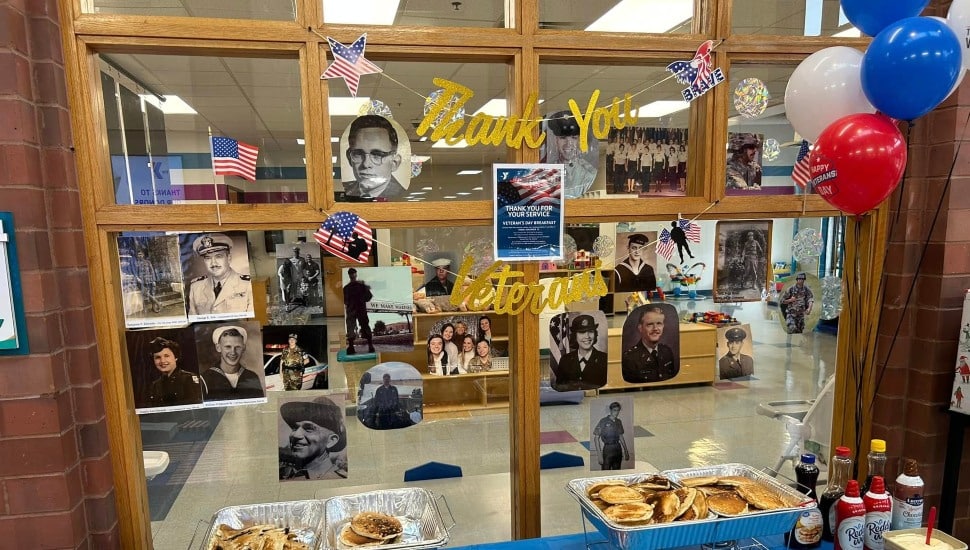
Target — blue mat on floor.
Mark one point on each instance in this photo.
(432, 470)
(184, 448)
(557, 459)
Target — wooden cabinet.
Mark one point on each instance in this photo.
(698, 346)
(460, 392)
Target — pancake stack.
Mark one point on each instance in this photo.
(370, 529)
(257, 537)
(652, 500)
(737, 495)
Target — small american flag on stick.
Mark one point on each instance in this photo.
(234, 158)
(665, 245)
(691, 230)
(800, 173)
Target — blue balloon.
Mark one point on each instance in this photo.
(872, 16)
(911, 66)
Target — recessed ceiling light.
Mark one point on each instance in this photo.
(346, 106)
(450, 197)
(658, 109)
(469, 172)
(440, 144)
(173, 104)
(360, 12)
(427, 188)
(479, 188)
(333, 160)
(644, 16)
(300, 141)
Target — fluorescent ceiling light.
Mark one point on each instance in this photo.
(479, 188)
(300, 141)
(658, 109)
(333, 159)
(360, 12)
(450, 197)
(644, 16)
(346, 106)
(417, 193)
(427, 188)
(440, 144)
(463, 193)
(420, 158)
(415, 200)
(173, 104)
(469, 172)
(497, 107)
(304, 160)
(851, 32)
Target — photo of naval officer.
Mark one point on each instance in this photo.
(216, 266)
(737, 361)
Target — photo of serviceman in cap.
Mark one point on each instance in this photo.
(229, 378)
(562, 147)
(583, 366)
(311, 434)
(441, 284)
(222, 291)
(734, 363)
(635, 272)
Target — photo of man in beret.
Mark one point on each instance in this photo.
(311, 435)
(222, 293)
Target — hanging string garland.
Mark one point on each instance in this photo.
(751, 98)
(772, 150)
(807, 245)
(831, 297)
(603, 246)
(375, 107)
(481, 250)
(416, 168)
(433, 98)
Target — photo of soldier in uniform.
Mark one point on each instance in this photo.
(736, 352)
(578, 346)
(378, 309)
(390, 396)
(636, 256)
(216, 270)
(295, 357)
(741, 266)
(743, 171)
(151, 281)
(229, 362)
(298, 286)
(561, 146)
(611, 433)
(164, 370)
(647, 162)
(312, 439)
(797, 303)
(375, 160)
(651, 344)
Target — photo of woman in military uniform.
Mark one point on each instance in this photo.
(578, 350)
(164, 370)
(611, 441)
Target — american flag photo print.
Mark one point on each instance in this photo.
(346, 236)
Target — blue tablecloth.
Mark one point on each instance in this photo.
(578, 542)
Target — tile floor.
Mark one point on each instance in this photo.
(675, 428)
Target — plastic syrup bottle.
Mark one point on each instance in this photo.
(850, 519)
(908, 498)
(877, 462)
(808, 529)
(839, 472)
(879, 513)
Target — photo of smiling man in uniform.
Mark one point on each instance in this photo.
(652, 350)
(216, 289)
(234, 373)
(374, 153)
(311, 434)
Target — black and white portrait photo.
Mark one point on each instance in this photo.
(230, 362)
(375, 161)
(741, 268)
(578, 350)
(215, 267)
(636, 256)
(651, 344)
(390, 396)
(151, 280)
(611, 433)
(561, 146)
(299, 280)
(735, 352)
(164, 369)
(312, 439)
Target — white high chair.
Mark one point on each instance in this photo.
(808, 422)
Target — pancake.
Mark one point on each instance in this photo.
(698, 481)
(616, 494)
(727, 504)
(688, 515)
(257, 536)
(699, 505)
(351, 539)
(375, 525)
(600, 504)
(629, 513)
(734, 481)
(665, 505)
(686, 496)
(656, 482)
(593, 490)
(760, 496)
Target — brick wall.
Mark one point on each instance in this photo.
(915, 390)
(56, 488)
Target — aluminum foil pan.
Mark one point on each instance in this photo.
(304, 517)
(786, 493)
(416, 508)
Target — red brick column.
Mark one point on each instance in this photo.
(916, 387)
(55, 476)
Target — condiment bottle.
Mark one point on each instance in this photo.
(908, 498)
(808, 529)
(850, 519)
(879, 507)
(877, 462)
(839, 472)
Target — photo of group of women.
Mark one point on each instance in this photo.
(200, 365)
(462, 344)
(647, 161)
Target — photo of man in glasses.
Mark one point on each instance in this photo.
(374, 156)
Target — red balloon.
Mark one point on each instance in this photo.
(858, 161)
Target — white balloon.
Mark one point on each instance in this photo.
(958, 19)
(824, 88)
(964, 39)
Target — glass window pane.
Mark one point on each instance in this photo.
(279, 10)
(161, 110)
(420, 13)
(643, 16)
(648, 159)
(422, 168)
(762, 149)
(791, 18)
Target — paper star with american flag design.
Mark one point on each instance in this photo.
(349, 63)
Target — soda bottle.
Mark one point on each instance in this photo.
(839, 473)
(879, 513)
(850, 519)
(877, 462)
(808, 529)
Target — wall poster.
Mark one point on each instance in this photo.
(528, 212)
